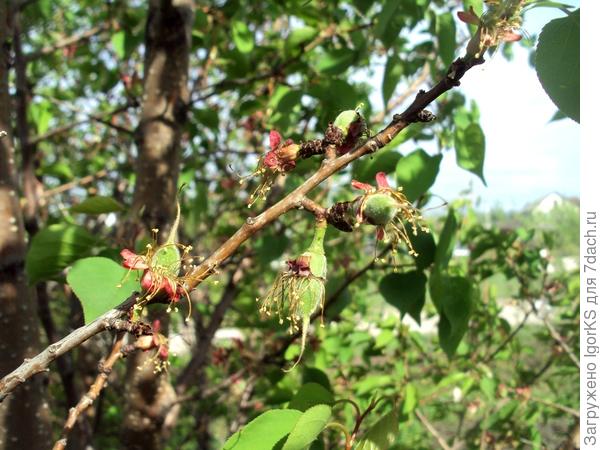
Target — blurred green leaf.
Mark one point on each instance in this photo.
(98, 205)
(470, 149)
(391, 76)
(446, 37)
(243, 38)
(54, 248)
(405, 291)
(452, 297)
(310, 394)
(336, 61)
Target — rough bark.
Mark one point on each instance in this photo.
(168, 35)
(24, 415)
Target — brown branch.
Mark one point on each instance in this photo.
(108, 321)
(65, 42)
(313, 207)
(104, 369)
(414, 113)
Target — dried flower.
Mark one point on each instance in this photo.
(496, 25)
(299, 291)
(158, 341)
(387, 209)
(162, 266)
(281, 158)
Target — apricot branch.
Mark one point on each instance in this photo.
(414, 113)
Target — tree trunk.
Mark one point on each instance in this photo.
(24, 415)
(164, 110)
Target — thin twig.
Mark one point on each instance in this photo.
(105, 368)
(563, 408)
(70, 40)
(40, 363)
(432, 430)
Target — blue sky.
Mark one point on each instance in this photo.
(527, 156)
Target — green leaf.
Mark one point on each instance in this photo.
(417, 172)
(384, 160)
(385, 16)
(310, 394)
(391, 77)
(118, 43)
(452, 297)
(446, 242)
(54, 248)
(242, 36)
(470, 149)
(424, 245)
(445, 29)
(557, 63)
(335, 62)
(100, 284)
(298, 37)
(98, 205)
(308, 427)
(381, 435)
(265, 431)
(411, 400)
(405, 291)
(488, 387)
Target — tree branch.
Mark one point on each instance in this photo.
(104, 369)
(70, 40)
(414, 113)
(107, 321)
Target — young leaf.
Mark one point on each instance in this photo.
(310, 394)
(265, 431)
(54, 248)
(382, 435)
(98, 205)
(557, 63)
(417, 172)
(470, 149)
(308, 427)
(100, 284)
(405, 291)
